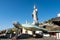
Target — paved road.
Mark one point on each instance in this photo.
(27, 37)
(44, 38)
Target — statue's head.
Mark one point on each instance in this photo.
(35, 8)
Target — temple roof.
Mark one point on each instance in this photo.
(56, 19)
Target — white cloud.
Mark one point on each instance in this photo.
(58, 15)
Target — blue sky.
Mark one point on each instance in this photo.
(21, 10)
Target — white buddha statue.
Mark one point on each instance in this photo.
(35, 16)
